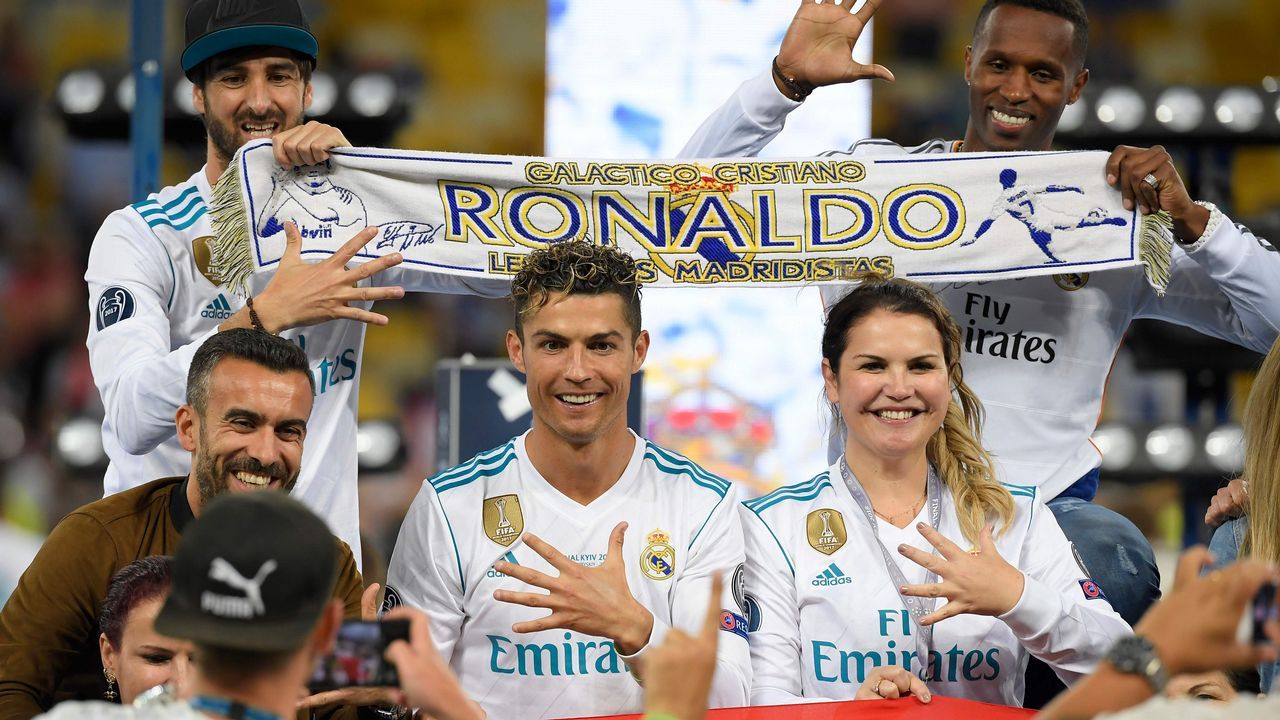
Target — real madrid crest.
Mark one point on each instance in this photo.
(1071, 281)
(503, 521)
(658, 561)
(825, 528)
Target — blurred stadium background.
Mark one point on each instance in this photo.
(607, 78)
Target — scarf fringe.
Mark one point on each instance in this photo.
(1155, 250)
(231, 261)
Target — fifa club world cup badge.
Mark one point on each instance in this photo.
(826, 530)
(658, 561)
(503, 521)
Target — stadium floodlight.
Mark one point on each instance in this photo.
(79, 443)
(1120, 108)
(378, 445)
(1179, 109)
(1224, 447)
(371, 94)
(1170, 447)
(324, 93)
(1117, 444)
(1239, 109)
(182, 96)
(81, 91)
(1073, 115)
(126, 92)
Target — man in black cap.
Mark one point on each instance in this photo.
(260, 613)
(153, 298)
(244, 424)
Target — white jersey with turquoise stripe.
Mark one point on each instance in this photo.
(151, 305)
(825, 611)
(683, 526)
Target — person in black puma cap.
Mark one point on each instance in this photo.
(252, 590)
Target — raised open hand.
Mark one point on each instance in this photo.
(818, 46)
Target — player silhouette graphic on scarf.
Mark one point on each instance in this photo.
(1033, 207)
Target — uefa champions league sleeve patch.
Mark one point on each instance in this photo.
(115, 304)
(734, 623)
(1091, 590)
(390, 599)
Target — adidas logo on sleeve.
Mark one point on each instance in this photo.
(831, 576)
(219, 309)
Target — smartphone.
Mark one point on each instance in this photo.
(1252, 628)
(357, 657)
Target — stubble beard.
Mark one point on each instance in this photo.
(211, 474)
(225, 137)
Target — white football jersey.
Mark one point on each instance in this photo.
(152, 304)
(1037, 350)
(823, 609)
(683, 526)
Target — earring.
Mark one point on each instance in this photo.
(110, 693)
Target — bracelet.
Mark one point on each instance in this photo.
(799, 89)
(1215, 219)
(253, 315)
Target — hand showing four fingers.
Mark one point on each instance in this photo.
(980, 583)
(593, 601)
(302, 293)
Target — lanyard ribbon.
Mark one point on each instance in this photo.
(229, 708)
(916, 607)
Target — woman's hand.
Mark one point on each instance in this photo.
(888, 682)
(977, 582)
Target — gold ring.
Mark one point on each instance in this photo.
(876, 689)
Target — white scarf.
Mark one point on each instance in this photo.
(741, 222)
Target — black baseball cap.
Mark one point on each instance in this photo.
(254, 572)
(216, 26)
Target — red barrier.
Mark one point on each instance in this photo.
(902, 709)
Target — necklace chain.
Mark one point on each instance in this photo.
(913, 509)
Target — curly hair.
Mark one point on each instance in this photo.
(575, 267)
(956, 449)
(141, 580)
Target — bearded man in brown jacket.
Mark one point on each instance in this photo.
(248, 398)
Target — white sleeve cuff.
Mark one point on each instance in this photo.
(1035, 612)
(763, 103)
(656, 636)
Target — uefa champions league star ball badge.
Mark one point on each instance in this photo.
(825, 528)
(503, 520)
(658, 561)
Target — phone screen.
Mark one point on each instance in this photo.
(1264, 609)
(357, 657)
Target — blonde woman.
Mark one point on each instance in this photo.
(1257, 534)
(904, 568)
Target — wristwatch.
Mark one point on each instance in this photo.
(1135, 655)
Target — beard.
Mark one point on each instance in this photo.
(212, 474)
(226, 137)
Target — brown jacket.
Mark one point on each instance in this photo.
(49, 627)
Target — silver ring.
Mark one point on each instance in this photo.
(1153, 181)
